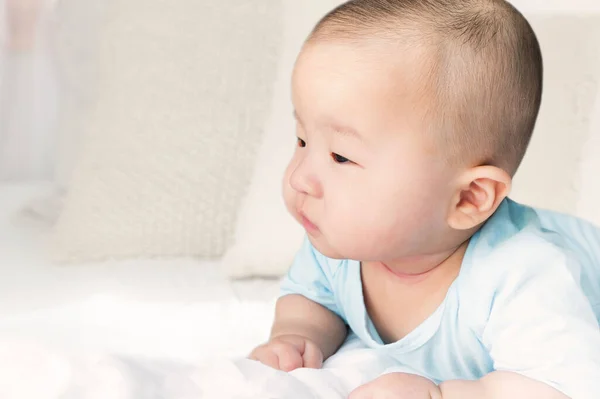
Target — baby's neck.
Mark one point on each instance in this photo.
(419, 268)
(396, 302)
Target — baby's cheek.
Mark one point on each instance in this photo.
(348, 227)
(366, 227)
(289, 195)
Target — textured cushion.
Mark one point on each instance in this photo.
(183, 94)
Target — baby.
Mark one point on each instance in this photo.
(412, 118)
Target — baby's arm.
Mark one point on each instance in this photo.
(308, 326)
(298, 316)
(304, 335)
(497, 385)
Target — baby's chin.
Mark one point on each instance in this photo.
(325, 248)
(344, 250)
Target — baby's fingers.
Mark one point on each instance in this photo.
(266, 357)
(312, 356)
(289, 358)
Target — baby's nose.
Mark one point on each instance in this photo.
(305, 182)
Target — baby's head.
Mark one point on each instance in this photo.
(413, 116)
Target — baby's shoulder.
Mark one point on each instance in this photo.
(514, 251)
(521, 240)
(526, 254)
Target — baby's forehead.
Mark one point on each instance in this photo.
(363, 75)
(371, 61)
(367, 89)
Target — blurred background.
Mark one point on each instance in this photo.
(142, 144)
(29, 95)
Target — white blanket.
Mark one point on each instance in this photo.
(32, 371)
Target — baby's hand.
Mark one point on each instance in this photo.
(289, 352)
(398, 386)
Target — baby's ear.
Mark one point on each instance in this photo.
(480, 191)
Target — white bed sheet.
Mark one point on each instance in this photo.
(178, 309)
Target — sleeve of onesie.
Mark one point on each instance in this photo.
(311, 276)
(542, 326)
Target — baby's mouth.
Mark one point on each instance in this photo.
(308, 225)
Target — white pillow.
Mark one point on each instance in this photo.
(267, 238)
(184, 92)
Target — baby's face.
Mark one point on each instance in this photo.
(364, 180)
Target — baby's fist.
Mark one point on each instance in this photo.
(289, 352)
(398, 386)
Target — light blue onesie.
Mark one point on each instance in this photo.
(527, 300)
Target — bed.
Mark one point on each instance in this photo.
(179, 309)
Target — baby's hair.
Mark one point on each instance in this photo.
(484, 76)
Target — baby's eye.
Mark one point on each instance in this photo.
(339, 159)
(301, 143)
